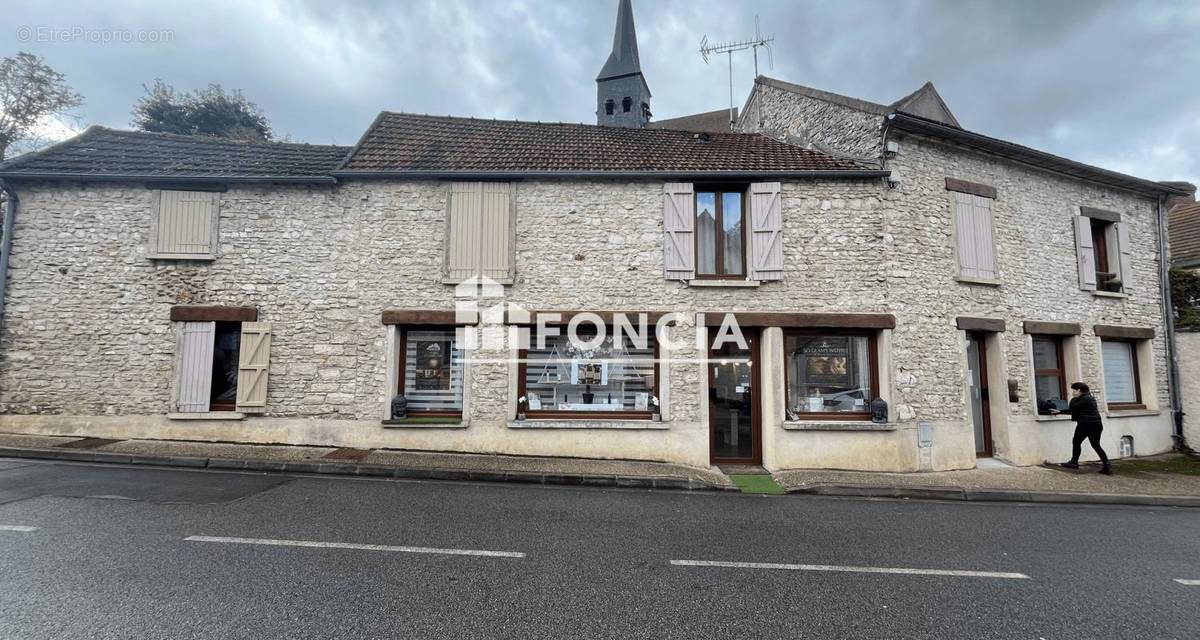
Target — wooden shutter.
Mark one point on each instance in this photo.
(975, 236)
(186, 222)
(195, 366)
(254, 360)
(479, 231)
(496, 232)
(766, 231)
(1085, 253)
(679, 223)
(1125, 254)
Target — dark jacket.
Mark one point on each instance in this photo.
(1083, 410)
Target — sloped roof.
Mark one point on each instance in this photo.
(927, 103)
(101, 153)
(403, 143)
(623, 60)
(709, 122)
(1183, 224)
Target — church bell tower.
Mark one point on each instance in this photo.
(622, 95)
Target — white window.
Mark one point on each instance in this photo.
(1122, 387)
(184, 225)
(479, 232)
(223, 366)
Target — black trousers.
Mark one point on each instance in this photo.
(1091, 433)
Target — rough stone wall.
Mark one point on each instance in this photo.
(1189, 383)
(797, 118)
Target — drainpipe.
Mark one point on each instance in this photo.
(1169, 323)
(10, 214)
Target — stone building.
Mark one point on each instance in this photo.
(901, 294)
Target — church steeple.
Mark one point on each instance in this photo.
(622, 95)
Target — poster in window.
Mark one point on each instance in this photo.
(825, 362)
(433, 365)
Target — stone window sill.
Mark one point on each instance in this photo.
(608, 425)
(980, 281)
(1044, 418)
(208, 415)
(734, 284)
(205, 257)
(837, 425)
(503, 281)
(425, 423)
(1110, 294)
(1133, 413)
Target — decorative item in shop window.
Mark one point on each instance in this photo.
(657, 413)
(588, 396)
(879, 411)
(521, 408)
(399, 407)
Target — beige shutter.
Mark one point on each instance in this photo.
(195, 366)
(1085, 253)
(679, 223)
(495, 244)
(254, 360)
(186, 222)
(1125, 254)
(975, 233)
(766, 231)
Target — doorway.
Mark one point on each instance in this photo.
(733, 412)
(977, 381)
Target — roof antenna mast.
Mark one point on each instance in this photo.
(739, 45)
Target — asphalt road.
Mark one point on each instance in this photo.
(96, 551)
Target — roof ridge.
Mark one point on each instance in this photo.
(209, 139)
(583, 125)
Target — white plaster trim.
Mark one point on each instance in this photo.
(1133, 413)
(734, 284)
(837, 425)
(450, 423)
(583, 423)
(208, 415)
(1042, 418)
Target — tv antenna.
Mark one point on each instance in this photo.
(739, 45)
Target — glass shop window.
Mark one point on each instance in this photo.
(830, 375)
(433, 371)
(592, 377)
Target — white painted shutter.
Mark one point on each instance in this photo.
(186, 222)
(679, 223)
(496, 258)
(195, 366)
(976, 236)
(766, 231)
(1085, 253)
(1125, 252)
(254, 361)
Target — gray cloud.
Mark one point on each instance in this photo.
(1111, 83)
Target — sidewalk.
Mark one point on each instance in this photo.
(1168, 480)
(364, 462)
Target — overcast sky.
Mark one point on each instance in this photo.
(1112, 83)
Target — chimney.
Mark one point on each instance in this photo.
(1175, 201)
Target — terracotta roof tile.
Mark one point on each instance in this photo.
(399, 142)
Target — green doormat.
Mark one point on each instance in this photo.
(757, 483)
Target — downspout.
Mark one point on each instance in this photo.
(1169, 323)
(10, 214)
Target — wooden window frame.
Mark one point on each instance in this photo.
(873, 362)
(1137, 377)
(1061, 371)
(553, 414)
(719, 232)
(402, 359)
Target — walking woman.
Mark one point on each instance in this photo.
(1088, 426)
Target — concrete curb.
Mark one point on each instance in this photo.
(367, 470)
(995, 495)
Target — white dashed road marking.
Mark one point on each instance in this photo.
(1190, 583)
(362, 547)
(830, 567)
(17, 527)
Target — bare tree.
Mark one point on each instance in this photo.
(29, 91)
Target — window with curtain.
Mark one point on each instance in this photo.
(830, 375)
(720, 234)
(1120, 373)
(433, 371)
(1048, 373)
(614, 378)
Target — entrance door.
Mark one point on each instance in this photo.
(733, 403)
(978, 383)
